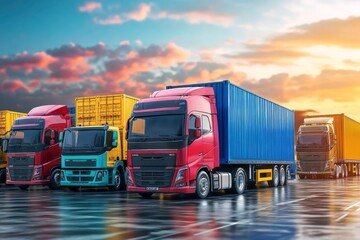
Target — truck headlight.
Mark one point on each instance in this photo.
(99, 176)
(181, 174)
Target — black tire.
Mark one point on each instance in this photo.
(119, 181)
(346, 171)
(275, 177)
(74, 189)
(55, 179)
(337, 172)
(282, 176)
(202, 185)
(2, 175)
(239, 181)
(146, 194)
(287, 175)
(23, 187)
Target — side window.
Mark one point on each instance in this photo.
(56, 134)
(47, 137)
(192, 125)
(206, 125)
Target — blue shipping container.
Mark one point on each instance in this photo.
(252, 130)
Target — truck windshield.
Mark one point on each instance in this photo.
(162, 127)
(25, 140)
(89, 139)
(313, 139)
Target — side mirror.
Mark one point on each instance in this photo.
(197, 123)
(197, 133)
(114, 139)
(61, 137)
(115, 136)
(52, 134)
(4, 147)
(127, 129)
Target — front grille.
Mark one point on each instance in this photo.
(80, 163)
(312, 166)
(21, 168)
(80, 179)
(21, 174)
(154, 160)
(153, 178)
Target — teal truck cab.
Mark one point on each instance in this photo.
(92, 157)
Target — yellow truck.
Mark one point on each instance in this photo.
(94, 151)
(328, 146)
(7, 118)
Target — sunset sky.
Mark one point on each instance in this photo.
(302, 54)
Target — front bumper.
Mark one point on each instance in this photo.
(185, 189)
(314, 173)
(35, 182)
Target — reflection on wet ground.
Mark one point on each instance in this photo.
(321, 209)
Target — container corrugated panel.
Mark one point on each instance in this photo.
(7, 118)
(347, 133)
(351, 139)
(251, 128)
(114, 110)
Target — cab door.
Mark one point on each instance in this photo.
(195, 143)
(207, 140)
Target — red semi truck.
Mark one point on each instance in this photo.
(206, 137)
(33, 147)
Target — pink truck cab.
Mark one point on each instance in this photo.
(33, 147)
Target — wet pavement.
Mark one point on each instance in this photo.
(321, 209)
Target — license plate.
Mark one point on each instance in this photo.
(152, 188)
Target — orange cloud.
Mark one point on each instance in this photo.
(14, 86)
(90, 7)
(25, 61)
(140, 14)
(261, 56)
(196, 17)
(112, 20)
(333, 32)
(145, 60)
(335, 85)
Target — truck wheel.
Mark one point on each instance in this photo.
(337, 171)
(239, 180)
(287, 175)
(202, 185)
(275, 177)
(24, 187)
(282, 176)
(2, 175)
(346, 172)
(342, 171)
(146, 194)
(55, 180)
(118, 181)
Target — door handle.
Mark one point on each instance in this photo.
(200, 154)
